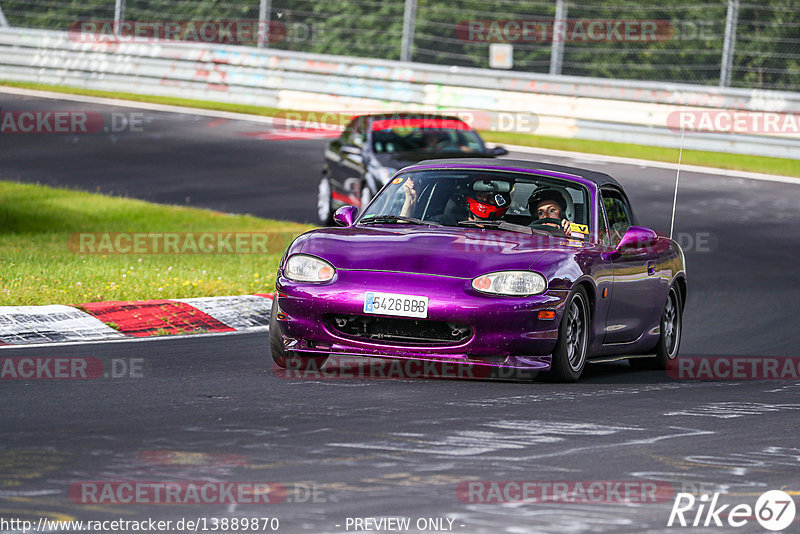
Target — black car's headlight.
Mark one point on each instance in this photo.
(305, 268)
(511, 283)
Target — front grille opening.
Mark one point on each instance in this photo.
(395, 330)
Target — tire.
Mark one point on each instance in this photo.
(572, 347)
(288, 359)
(669, 342)
(325, 201)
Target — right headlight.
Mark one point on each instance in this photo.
(305, 268)
(511, 283)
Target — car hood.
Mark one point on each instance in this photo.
(398, 160)
(458, 252)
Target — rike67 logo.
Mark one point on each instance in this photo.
(774, 510)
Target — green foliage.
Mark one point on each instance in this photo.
(437, 39)
(767, 44)
(767, 39)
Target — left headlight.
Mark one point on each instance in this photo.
(305, 268)
(512, 283)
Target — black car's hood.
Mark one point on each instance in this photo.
(398, 160)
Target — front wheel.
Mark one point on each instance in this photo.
(670, 340)
(569, 355)
(286, 359)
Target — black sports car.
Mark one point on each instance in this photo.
(373, 147)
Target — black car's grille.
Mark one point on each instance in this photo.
(395, 331)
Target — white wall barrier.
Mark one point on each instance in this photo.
(767, 122)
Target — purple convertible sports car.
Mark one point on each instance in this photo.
(514, 264)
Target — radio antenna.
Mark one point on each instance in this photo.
(678, 176)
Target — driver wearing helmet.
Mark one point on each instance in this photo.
(483, 202)
(548, 208)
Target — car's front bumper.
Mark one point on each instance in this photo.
(505, 331)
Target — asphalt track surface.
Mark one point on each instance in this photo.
(212, 408)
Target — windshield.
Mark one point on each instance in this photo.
(474, 197)
(447, 136)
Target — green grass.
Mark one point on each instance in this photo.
(781, 166)
(168, 100)
(37, 266)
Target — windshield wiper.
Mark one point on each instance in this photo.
(379, 219)
(500, 225)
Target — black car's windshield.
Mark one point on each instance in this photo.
(439, 135)
(485, 199)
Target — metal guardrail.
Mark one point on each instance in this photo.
(584, 108)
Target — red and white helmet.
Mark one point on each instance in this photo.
(487, 199)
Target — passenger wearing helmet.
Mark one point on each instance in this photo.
(488, 199)
(484, 200)
(548, 208)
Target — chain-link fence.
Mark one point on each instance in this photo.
(719, 42)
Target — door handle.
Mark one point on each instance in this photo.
(651, 268)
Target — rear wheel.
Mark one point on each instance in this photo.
(670, 340)
(287, 359)
(569, 355)
(325, 201)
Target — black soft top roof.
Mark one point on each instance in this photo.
(599, 178)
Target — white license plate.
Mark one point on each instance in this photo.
(394, 304)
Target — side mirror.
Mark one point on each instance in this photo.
(499, 151)
(345, 215)
(637, 237)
